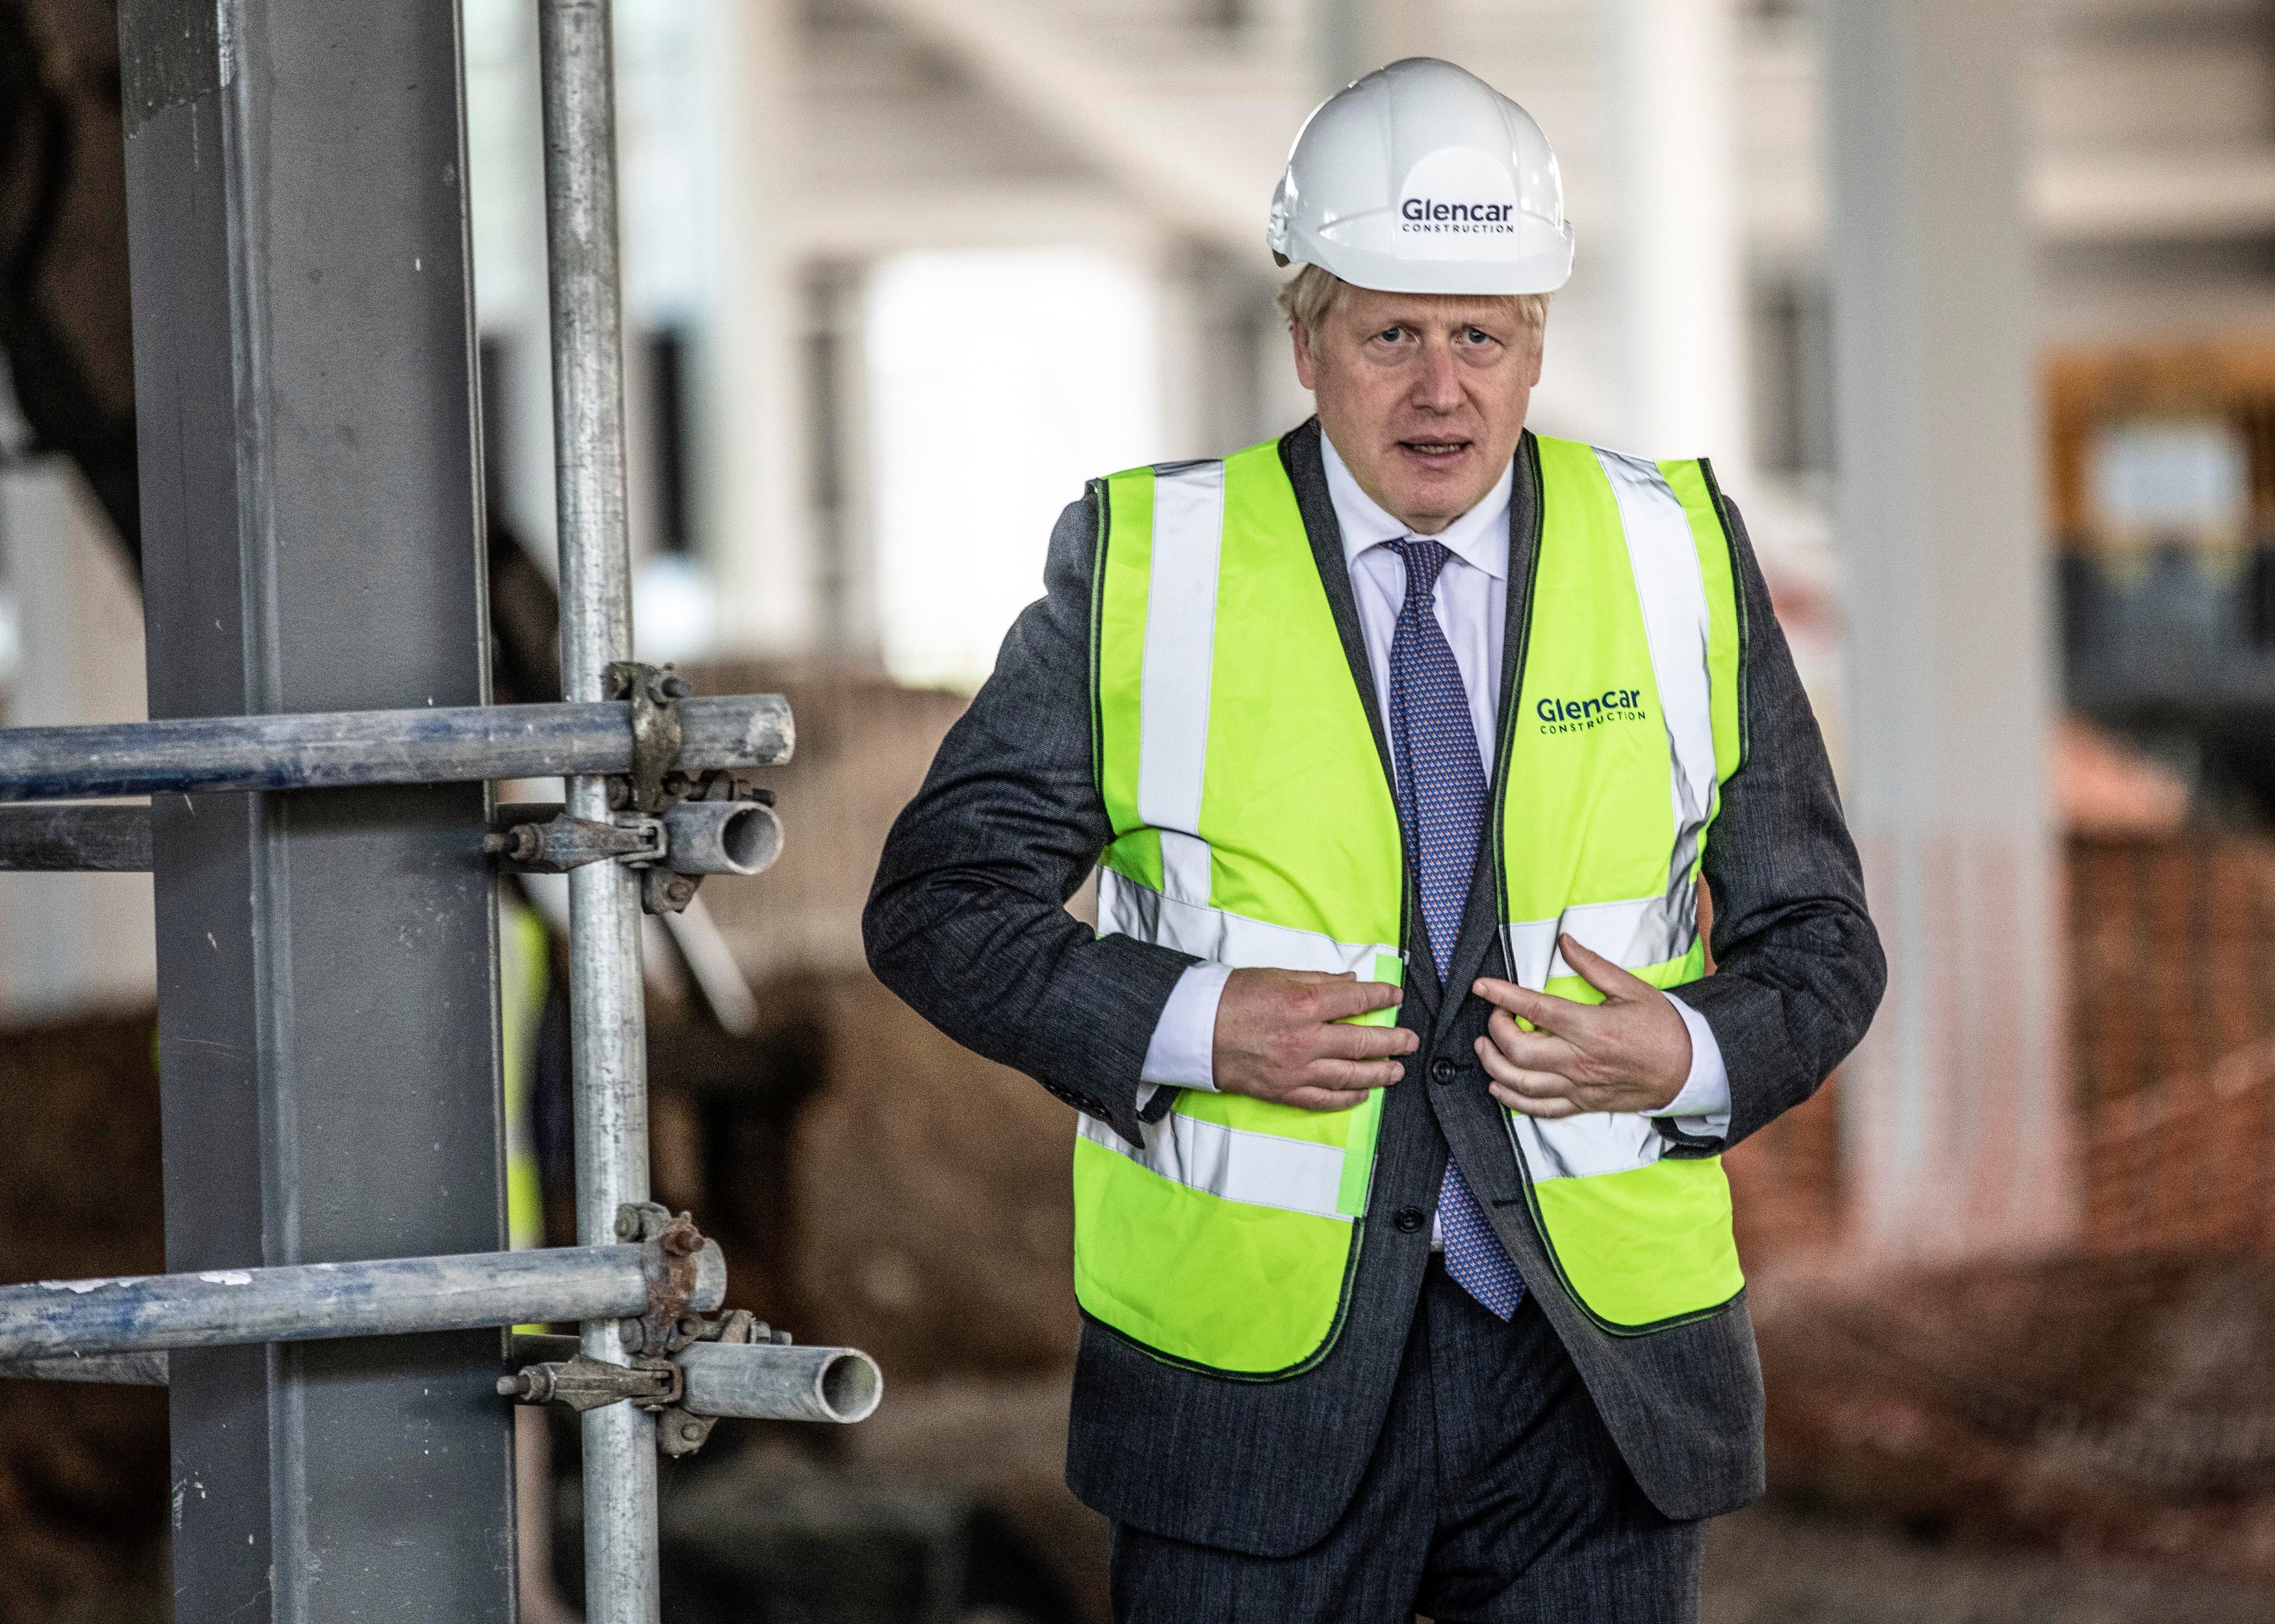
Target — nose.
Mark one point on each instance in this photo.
(1439, 388)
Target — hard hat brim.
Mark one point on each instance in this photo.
(1534, 273)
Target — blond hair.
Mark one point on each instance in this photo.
(1310, 296)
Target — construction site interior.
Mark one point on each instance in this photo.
(898, 275)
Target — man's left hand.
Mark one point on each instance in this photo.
(1630, 1052)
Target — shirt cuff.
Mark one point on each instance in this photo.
(1702, 1108)
(1183, 1053)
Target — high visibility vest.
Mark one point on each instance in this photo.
(525, 968)
(1254, 825)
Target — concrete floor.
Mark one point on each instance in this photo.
(1773, 1565)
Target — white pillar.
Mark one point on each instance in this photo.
(751, 476)
(71, 942)
(845, 534)
(1956, 1128)
(1680, 254)
(1220, 333)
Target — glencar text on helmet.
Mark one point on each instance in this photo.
(1424, 214)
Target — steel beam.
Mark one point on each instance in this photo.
(75, 839)
(136, 1370)
(328, 1023)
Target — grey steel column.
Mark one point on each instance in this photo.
(1955, 1112)
(326, 959)
(608, 1022)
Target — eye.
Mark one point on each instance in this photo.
(1476, 336)
(1391, 334)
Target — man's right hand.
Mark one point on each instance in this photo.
(1283, 1035)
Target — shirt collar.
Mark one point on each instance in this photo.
(1480, 536)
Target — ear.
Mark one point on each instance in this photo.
(1539, 348)
(1306, 370)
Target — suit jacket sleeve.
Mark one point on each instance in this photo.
(967, 918)
(1798, 966)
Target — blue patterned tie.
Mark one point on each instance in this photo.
(1441, 807)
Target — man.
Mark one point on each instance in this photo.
(1401, 745)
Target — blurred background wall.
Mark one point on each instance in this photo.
(1972, 302)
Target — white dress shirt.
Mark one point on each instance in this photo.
(1472, 600)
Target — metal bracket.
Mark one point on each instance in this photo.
(654, 692)
(668, 1245)
(541, 838)
(680, 1431)
(673, 851)
(586, 1383)
(664, 891)
(734, 1365)
(669, 887)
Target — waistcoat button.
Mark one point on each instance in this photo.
(1441, 1069)
(1409, 1219)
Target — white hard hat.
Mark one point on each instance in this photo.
(1423, 178)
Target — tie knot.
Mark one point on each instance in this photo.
(1423, 559)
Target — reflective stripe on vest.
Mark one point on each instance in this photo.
(1137, 909)
(1258, 1169)
(1180, 660)
(1253, 825)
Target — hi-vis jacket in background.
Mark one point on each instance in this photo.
(1253, 824)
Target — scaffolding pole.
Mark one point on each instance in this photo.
(608, 1037)
(311, 1302)
(752, 1382)
(329, 1078)
(342, 750)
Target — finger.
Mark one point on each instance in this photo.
(1599, 971)
(1339, 1040)
(1535, 1051)
(1338, 999)
(1352, 1073)
(1546, 1107)
(1324, 1100)
(1543, 1009)
(1542, 1084)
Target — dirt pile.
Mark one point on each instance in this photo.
(2108, 1408)
(82, 1468)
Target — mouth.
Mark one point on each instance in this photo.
(1440, 453)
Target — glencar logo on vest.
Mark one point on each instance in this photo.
(1422, 213)
(1579, 716)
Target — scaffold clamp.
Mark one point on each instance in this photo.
(654, 692)
(669, 1246)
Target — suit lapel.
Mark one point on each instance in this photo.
(1481, 918)
(1299, 455)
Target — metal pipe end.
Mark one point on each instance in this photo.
(848, 1386)
(722, 837)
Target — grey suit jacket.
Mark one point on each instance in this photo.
(966, 922)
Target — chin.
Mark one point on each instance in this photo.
(1437, 496)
